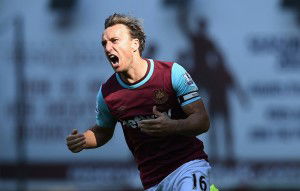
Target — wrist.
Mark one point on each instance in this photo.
(177, 126)
(90, 139)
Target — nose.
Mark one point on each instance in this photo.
(108, 47)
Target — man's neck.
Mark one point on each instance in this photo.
(136, 72)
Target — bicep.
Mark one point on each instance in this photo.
(197, 115)
(195, 107)
(187, 92)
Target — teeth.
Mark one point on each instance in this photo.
(113, 58)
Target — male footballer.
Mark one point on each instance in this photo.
(159, 108)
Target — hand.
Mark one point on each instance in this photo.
(161, 126)
(76, 142)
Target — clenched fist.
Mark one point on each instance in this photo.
(75, 141)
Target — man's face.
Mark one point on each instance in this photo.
(119, 47)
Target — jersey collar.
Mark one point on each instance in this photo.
(136, 85)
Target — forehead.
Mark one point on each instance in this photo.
(117, 30)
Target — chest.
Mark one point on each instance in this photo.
(128, 103)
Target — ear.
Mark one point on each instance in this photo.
(135, 44)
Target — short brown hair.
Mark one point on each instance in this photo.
(134, 25)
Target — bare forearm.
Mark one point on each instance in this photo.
(90, 139)
(97, 136)
(194, 125)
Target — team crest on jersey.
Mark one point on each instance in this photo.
(160, 96)
(121, 109)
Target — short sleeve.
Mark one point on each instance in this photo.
(184, 86)
(103, 116)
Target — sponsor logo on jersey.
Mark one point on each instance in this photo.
(160, 96)
(133, 123)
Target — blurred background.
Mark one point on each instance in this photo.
(244, 56)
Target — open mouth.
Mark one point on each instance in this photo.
(113, 59)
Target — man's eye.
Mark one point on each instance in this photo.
(114, 40)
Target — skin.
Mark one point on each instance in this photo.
(117, 41)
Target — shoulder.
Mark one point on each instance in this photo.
(109, 85)
(173, 68)
(168, 64)
(177, 69)
(161, 63)
(110, 80)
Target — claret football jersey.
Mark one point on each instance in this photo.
(166, 85)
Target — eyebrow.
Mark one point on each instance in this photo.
(103, 42)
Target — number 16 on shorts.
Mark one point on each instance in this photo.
(200, 183)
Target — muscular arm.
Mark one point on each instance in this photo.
(97, 135)
(92, 138)
(197, 121)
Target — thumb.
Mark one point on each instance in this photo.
(156, 112)
(74, 132)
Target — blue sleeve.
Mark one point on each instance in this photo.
(103, 116)
(184, 86)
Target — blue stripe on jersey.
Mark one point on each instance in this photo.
(103, 117)
(190, 101)
(182, 83)
(141, 82)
